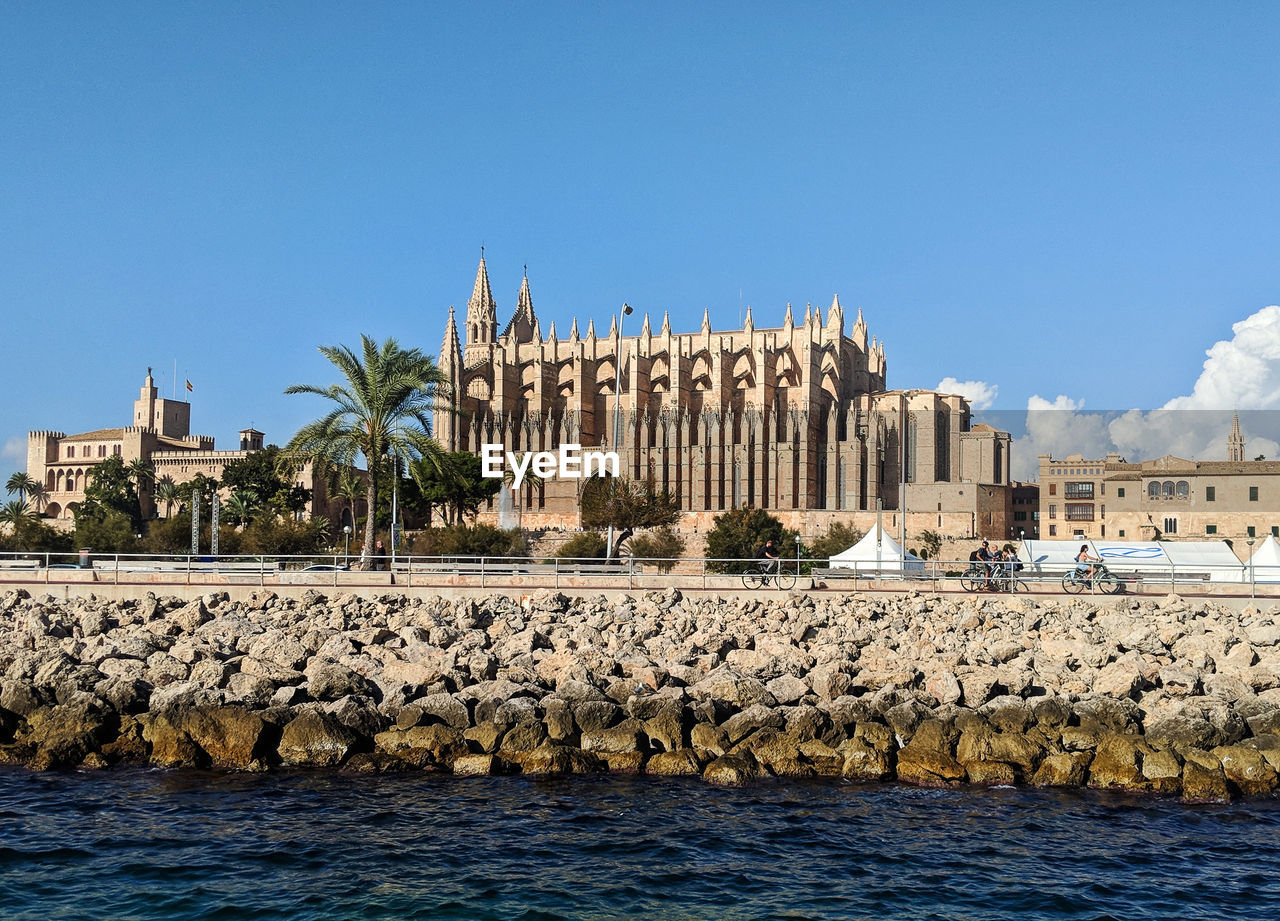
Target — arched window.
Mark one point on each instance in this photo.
(1153, 490)
(1183, 489)
(1166, 489)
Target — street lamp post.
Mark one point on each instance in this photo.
(797, 556)
(617, 405)
(1252, 584)
(346, 546)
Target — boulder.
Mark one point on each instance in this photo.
(314, 738)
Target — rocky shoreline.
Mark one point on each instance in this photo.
(1177, 696)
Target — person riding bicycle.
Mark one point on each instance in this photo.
(1085, 563)
(982, 559)
(768, 557)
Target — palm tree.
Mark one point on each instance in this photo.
(15, 514)
(242, 506)
(38, 496)
(168, 493)
(21, 484)
(141, 472)
(381, 409)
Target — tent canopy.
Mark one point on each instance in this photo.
(1265, 562)
(877, 550)
(1212, 557)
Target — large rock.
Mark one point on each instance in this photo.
(434, 746)
(927, 760)
(733, 770)
(316, 739)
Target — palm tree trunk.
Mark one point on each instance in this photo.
(371, 499)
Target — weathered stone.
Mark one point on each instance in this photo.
(1247, 770)
(733, 770)
(474, 765)
(316, 739)
(1063, 769)
(681, 762)
(1203, 780)
(927, 759)
(620, 740)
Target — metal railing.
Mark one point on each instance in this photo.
(338, 569)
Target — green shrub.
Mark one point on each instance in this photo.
(739, 533)
(587, 545)
(839, 538)
(460, 540)
(661, 543)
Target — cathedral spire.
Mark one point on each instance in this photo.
(450, 349)
(706, 319)
(591, 329)
(482, 310)
(645, 329)
(749, 325)
(1235, 441)
(573, 331)
(788, 322)
(666, 323)
(835, 316)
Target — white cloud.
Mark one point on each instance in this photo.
(1242, 372)
(14, 452)
(1057, 427)
(980, 394)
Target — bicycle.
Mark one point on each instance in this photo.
(1077, 580)
(979, 578)
(766, 570)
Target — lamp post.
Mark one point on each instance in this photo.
(617, 405)
(346, 546)
(1252, 584)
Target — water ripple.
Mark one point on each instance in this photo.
(148, 845)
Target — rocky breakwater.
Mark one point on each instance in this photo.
(1177, 697)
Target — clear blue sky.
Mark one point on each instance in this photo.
(1071, 198)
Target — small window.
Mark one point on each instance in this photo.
(1120, 492)
(1122, 532)
(1183, 489)
(1253, 494)
(1053, 489)
(1211, 529)
(1166, 489)
(1210, 494)
(1053, 530)
(1252, 531)
(1153, 490)
(1053, 511)
(1275, 530)
(1171, 526)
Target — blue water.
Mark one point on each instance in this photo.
(149, 844)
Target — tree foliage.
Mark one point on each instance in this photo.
(453, 483)
(589, 545)
(839, 538)
(107, 531)
(931, 542)
(461, 540)
(627, 506)
(263, 480)
(738, 534)
(664, 544)
(382, 408)
(110, 490)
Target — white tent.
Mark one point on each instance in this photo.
(1189, 560)
(1264, 565)
(877, 551)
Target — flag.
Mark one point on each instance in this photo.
(190, 389)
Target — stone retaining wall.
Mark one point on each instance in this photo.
(1172, 696)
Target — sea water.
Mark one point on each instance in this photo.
(144, 844)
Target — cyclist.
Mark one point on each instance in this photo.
(768, 557)
(982, 559)
(1084, 563)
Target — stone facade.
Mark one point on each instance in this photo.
(160, 435)
(1162, 499)
(794, 419)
